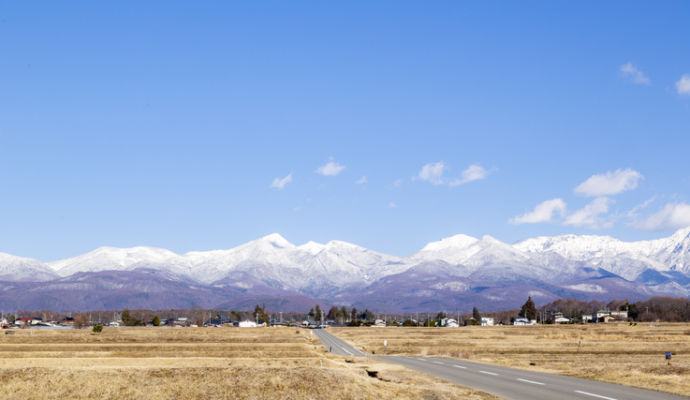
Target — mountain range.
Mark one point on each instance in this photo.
(455, 273)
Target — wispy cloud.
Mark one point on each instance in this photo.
(433, 173)
(672, 216)
(361, 180)
(636, 210)
(543, 212)
(591, 214)
(331, 168)
(473, 173)
(609, 183)
(683, 85)
(635, 75)
(279, 183)
(392, 205)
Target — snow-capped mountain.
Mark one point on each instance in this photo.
(116, 259)
(627, 259)
(15, 268)
(458, 269)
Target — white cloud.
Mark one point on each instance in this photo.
(543, 212)
(683, 85)
(279, 183)
(392, 205)
(433, 173)
(634, 74)
(636, 210)
(361, 180)
(672, 216)
(474, 172)
(331, 168)
(609, 183)
(590, 214)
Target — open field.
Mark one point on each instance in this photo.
(208, 363)
(617, 353)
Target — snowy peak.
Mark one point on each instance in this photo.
(312, 247)
(459, 241)
(113, 258)
(275, 240)
(24, 269)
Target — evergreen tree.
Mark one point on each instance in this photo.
(156, 320)
(476, 315)
(317, 313)
(528, 310)
(311, 313)
(260, 314)
(343, 313)
(353, 315)
(128, 319)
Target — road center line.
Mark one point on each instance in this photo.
(421, 359)
(459, 366)
(532, 382)
(594, 395)
(491, 373)
(437, 362)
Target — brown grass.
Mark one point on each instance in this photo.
(203, 363)
(619, 353)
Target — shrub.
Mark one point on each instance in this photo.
(98, 328)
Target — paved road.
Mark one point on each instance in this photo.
(336, 345)
(507, 383)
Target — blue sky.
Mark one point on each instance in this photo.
(176, 125)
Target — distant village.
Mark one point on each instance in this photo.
(562, 311)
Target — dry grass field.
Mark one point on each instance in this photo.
(619, 353)
(198, 363)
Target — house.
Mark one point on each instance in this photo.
(451, 323)
(379, 323)
(486, 321)
(598, 316)
(619, 315)
(247, 324)
(561, 320)
(522, 321)
(586, 318)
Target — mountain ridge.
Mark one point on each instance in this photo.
(453, 269)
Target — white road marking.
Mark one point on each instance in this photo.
(489, 373)
(594, 395)
(421, 359)
(459, 366)
(532, 382)
(437, 362)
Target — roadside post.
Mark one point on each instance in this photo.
(385, 344)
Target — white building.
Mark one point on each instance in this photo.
(452, 323)
(379, 323)
(247, 324)
(620, 315)
(561, 320)
(487, 321)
